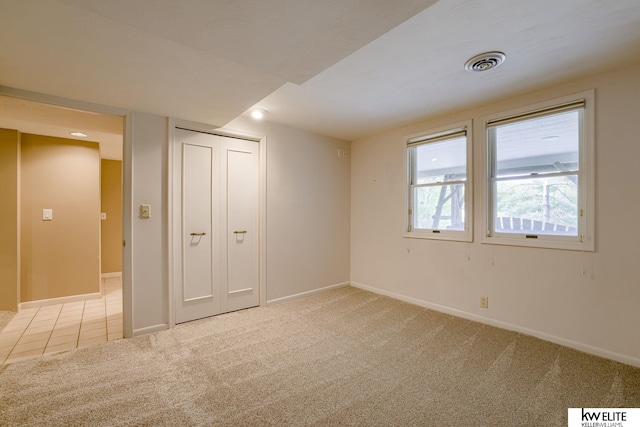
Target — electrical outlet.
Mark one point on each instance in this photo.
(484, 302)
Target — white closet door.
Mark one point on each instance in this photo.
(240, 215)
(215, 224)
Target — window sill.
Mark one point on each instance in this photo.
(443, 235)
(543, 242)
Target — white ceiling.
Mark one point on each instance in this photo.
(344, 68)
(417, 69)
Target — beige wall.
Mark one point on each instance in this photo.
(585, 300)
(59, 257)
(9, 260)
(111, 204)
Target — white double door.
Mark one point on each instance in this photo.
(215, 224)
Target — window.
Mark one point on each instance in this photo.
(540, 180)
(439, 188)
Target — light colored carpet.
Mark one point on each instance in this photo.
(342, 357)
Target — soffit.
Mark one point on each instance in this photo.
(204, 61)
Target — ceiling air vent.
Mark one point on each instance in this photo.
(485, 61)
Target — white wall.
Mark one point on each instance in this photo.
(147, 244)
(542, 292)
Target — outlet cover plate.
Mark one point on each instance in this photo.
(484, 302)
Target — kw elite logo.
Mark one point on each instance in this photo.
(604, 417)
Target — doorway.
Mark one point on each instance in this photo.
(216, 182)
(40, 120)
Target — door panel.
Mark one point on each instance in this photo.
(242, 226)
(197, 192)
(215, 210)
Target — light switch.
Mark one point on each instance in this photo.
(47, 214)
(145, 211)
(103, 216)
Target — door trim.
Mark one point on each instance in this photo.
(172, 124)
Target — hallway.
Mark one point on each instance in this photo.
(63, 327)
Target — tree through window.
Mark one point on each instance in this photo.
(438, 184)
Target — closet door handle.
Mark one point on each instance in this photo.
(240, 232)
(198, 234)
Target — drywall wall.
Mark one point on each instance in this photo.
(147, 244)
(308, 204)
(585, 300)
(111, 226)
(9, 219)
(59, 257)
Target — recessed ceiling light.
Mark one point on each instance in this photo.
(485, 61)
(258, 113)
(434, 159)
(78, 134)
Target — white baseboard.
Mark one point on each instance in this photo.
(150, 329)
(596, 351)
(114, 274)
(307, 293)
(60, 300)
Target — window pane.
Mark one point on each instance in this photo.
(440, 161)
(539, 145)
(438, 207)
(537, 206)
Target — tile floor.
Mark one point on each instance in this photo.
(63, 327)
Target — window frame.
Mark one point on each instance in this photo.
(437, 135)
(585, 240)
